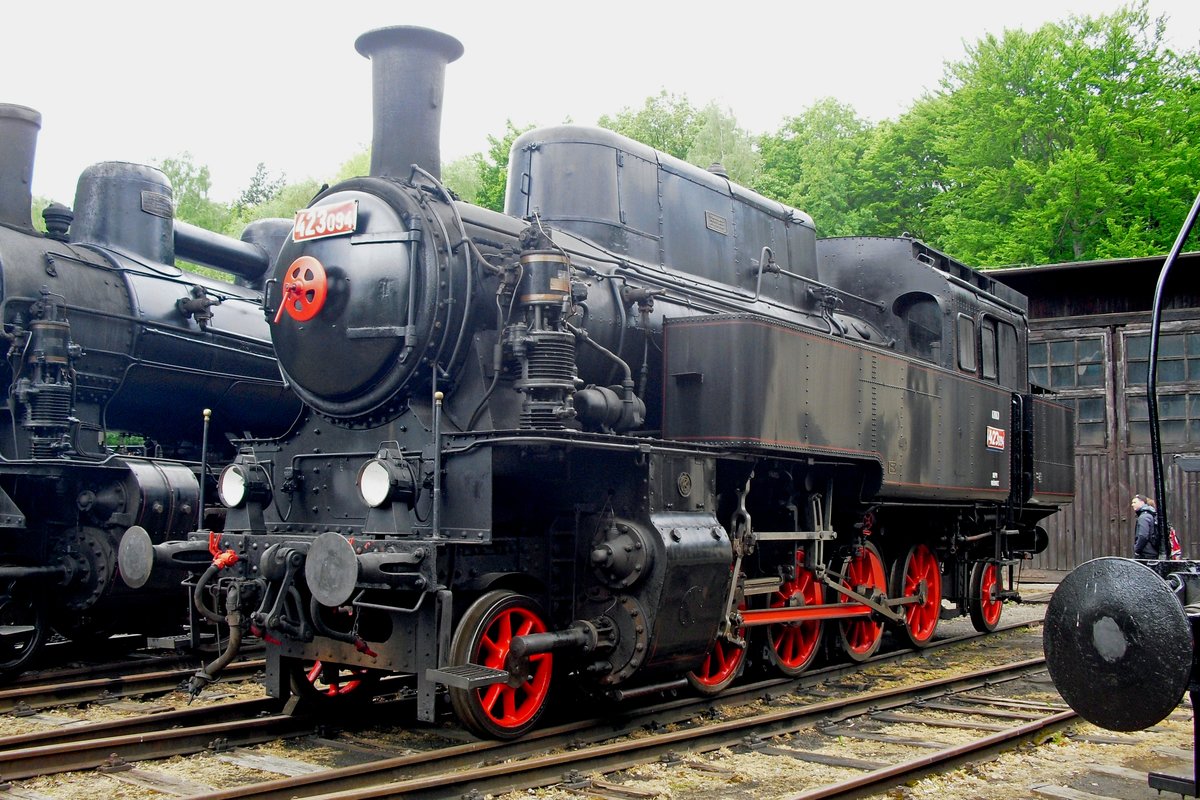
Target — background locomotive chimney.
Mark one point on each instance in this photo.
(408, 69)
(19, 128)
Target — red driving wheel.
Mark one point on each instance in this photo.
(305, 287)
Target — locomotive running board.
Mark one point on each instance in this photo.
(466, 676)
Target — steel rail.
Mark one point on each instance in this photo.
(891, 773)
(31, 762)
(37, 696)
(141, 723)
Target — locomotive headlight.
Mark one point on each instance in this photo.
(231, 486)
(376, 480)
(241, 482)
(385, 480)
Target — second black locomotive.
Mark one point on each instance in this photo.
(106, 339)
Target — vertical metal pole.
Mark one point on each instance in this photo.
(1160, 489)
(1193, 697)
(203, 468)
(436, 519)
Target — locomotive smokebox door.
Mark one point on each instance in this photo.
(1118, 644)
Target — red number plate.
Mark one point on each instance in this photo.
(995, 438)
(333, 219)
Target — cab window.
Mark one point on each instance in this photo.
(987, 348)
(965, 328)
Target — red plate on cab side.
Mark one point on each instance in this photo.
(331, 219)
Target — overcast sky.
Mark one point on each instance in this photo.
(238, 83)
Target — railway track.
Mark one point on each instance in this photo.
(229, 726)
(873, 708)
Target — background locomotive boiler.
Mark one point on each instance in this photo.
(104, 334)
(634, 429)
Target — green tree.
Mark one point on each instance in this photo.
(1073, 142)
(356, 166)
(262, 189)
(899, 174)
(492, 167)
(813, 163)
(190, 184)
(283, 205)
(666, 122)
(719, 140)
(462, 176)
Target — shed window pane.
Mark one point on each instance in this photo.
(1062, 352)
(1090, 409)
(1170, 346)
(1090, 434)
(1091, 375)
(1172, 430)
(1170, 372)
(1090, 350)
(1172, 405)
(1038, 353)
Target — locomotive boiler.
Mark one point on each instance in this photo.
(104, 336)
(638, 431)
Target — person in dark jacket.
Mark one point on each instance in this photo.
(1145, 531)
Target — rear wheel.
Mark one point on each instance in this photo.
(987, 581)
(919, 567)
(484, 636)
(863, 571)
(793, 646)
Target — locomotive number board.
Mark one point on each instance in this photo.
(331, 219)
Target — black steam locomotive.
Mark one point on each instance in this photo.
(635, 429)
(104, 335)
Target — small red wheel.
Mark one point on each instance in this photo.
(721, 665)
(305, 287)
(329, 687)
(987, 582)
(863, 573)
(793, 646)
(484, 636)
(919, 566)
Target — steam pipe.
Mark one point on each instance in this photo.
(19, 128)
(246, 260)
(408, 67)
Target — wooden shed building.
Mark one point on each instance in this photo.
(1090, 344)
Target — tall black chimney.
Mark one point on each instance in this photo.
(408, 68)
(19, 128)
